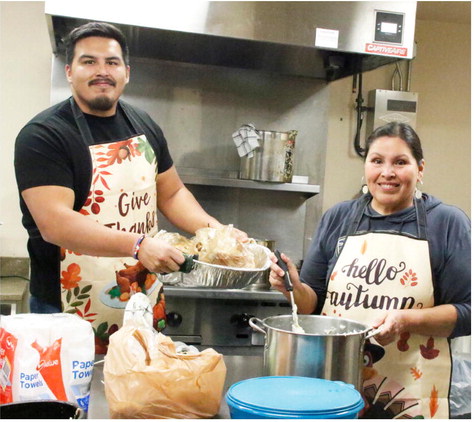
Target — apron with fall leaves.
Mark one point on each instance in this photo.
(376, 272)
(122, 196)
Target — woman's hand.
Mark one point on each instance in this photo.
(277, 274)
(438, 321)
(305, 297)
(391, 326)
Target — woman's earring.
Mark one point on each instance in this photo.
(418, 192)
(365, 188)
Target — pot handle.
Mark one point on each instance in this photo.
(253, 323)
(373, 332)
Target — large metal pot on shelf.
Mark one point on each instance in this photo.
(272, 160)
(330, 348)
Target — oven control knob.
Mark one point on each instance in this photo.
(173, 319)
(240, 320)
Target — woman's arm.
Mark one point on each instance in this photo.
(438, 321)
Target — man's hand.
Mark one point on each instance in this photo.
(159, 256)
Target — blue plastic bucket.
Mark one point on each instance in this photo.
(291, 397)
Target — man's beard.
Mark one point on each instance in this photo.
(102, 103)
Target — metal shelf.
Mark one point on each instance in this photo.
(306, 189)
(213, 293)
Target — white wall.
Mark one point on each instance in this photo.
(25, 74)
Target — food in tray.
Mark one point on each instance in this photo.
(180, 242)
(214, 246)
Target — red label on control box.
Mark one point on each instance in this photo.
(386, 50)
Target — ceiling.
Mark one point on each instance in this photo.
(444, 11)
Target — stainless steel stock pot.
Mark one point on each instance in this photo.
(331, 348)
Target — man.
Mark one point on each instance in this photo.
(92, 171)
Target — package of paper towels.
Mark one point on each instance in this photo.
(46, 357)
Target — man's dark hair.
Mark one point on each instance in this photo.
(95, 29)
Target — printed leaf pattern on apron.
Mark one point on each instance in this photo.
(118, 152)
(402, 343)
(88, 316)
(93, 200)
(63, 251)
(416, 373)
(429, 351)
(108, 155)
(75, 298)
(409, 278)
(146, 149)
(434, 403)
(101, 336)
(70, 277)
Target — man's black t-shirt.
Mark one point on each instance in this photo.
(49, 150)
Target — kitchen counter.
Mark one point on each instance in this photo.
(239, 367)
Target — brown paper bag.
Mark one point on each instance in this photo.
(145, 378)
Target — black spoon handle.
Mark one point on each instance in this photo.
(284, 267)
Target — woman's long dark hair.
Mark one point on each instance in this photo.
(399, 130)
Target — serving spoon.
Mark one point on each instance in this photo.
(296, 327)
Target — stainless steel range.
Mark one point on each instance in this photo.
(219, 317)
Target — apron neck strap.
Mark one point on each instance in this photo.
(359, 214)
(420, 211)
(81, 123)
(131, 115)
(86, 134)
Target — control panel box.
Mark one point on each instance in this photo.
(388, 27)
(391, 106)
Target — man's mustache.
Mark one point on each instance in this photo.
(101, 81)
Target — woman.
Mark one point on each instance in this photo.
(397, 260)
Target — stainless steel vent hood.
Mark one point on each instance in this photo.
(324, 40)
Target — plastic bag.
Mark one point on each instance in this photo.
(220, 247)
(146, 377)
(460, 396)
(47, 357)
(180, 242)
(215, 246)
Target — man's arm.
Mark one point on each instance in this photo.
(178, 204)
(52, 210)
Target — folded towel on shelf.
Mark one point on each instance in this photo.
(246, 140)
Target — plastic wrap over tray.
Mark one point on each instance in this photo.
(220, 277)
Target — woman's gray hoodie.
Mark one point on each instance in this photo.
(449, 238)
